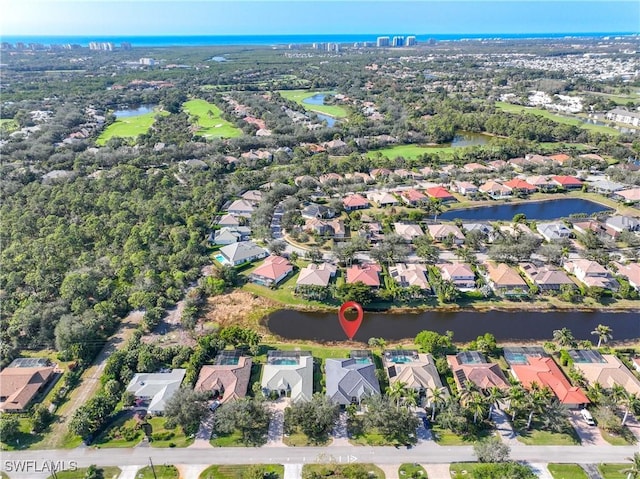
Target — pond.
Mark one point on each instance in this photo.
(533, 210)
(331, 121)
(317, 99)
(128, 113)
(466, 138)
(466, 326)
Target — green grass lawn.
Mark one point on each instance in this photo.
(612, 471)
(161, 472)
(409, 470)
(343, 471)
(227, 440)
(299, 96)
(567, 471)
(108, 472)
(163, 437)
(300, 439)
(24, 439)
(615, 440)
(7, 125)
(536, 437)
(129, 127)
(234, 472)
(209, 120)
(411, 152)
(444, 437)
(510, 108)
(462, 469)
(369, 438)
(123, 432)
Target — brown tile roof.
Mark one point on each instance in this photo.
(20, 385)
(233, 378)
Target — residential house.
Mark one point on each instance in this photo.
(518, 185)
(465, 188)
(372, 231)
(240, 253)
(495, 190)
(367, 274)
(355, 202)
(408, 231)
(441, 232)
(591, 274)
(474, 167)
(620, 115)
(583, 227)
(288, 373)
(334, 228)
(505, 280)
(228, 378)
(553, 231)
(630, 271)
(241, 208)
(253, 196)
(567, 182)
(334, 144)
(472, 366)
(460, 274)
(544, 372)
(415, 371)
(543, 183)
(606, 187)
(546, 277)
(272, 271)
(228, 235)
(378, 173)
(410, 274)
(329, 178)
(413, 197)
(497, 164)
(359, 177)
(517, 230)
(604, 369)
(349, 381)
(316, 275)
(539, 160)
(321, 212)
(631, 195)
(440, 193)
(623, 223)
(156, 389)
(383, 199)
(484, 228)
(560, 158)
(229, 220)
(22, 380)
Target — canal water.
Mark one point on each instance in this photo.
(466, 326)
(533, 210)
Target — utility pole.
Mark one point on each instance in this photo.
(153, 469)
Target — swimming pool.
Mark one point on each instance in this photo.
(220, 259)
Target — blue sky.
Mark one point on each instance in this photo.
(246, 17)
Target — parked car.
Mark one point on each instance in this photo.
(425, 422)
(588, 418)
(214, 405)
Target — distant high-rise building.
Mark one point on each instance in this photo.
(104, 46)
(319, 46)
(382, 42)
(397, 42)
(411, 41)
(125, 45)
(147, 61)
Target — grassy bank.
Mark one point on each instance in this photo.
(299, 96)
(129, 127)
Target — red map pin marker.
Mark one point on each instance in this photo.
(350, 327)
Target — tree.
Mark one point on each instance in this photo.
(377, 343)
(491, 450)
(395, 424)
(249, 416)
(437, 397)
(94, 472)
(603, 332)
(426, 250)
(633, 471)
(564, 337)
(41, 417)
(277, 247)
(434, 343)
(358, 292)
(9, 428)
(186, 409)
(316, 418)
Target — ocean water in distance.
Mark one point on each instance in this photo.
(266, 40)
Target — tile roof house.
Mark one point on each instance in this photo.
(317, 211)
(334, 228)
(606, 187)
(546, 278)
(413, 197)
(591, 274)
(19, 385)
(410, 274)
(631, 195)
(355, 202)
(568, 182)
(241, 208)
(416, 371)
(553, 231)
(560, 158)
(520, 185)
(231, 234)
(408, 231)
(242, 252)
(495, 190)
(440, 233)
(229, 220)
(253, 196)
(316, 275)
(459, 274)
(440, 193)
(288, 373)
(630, 271)
(329, 178)
(546, 373)
(156, 388)
(382, 198)
(472, 167)
(608, 371)
(505, 280)
(583, 227)
(379, 172)
(623, 223)
(543, 183)
(483, 374)
(227, 380)
(465, 187)
(272, 271)
(497, 164)
(367, 274)
(485, 228)
(349, 381)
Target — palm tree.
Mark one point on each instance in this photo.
(494, 395)
(537, 399)
(436, 397)
(633, 471)
(477, 404)
(603, 332)
(396, 391)
(516, 395)
(564, 337)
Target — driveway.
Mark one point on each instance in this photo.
(634, 426)
(276, 426)
(340, 434)
(422, 433)
(589, 435)
(204, 432)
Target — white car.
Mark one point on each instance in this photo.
(588, 418)
(214, 405)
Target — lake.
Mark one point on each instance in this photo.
(128, 113)
(466, 138)
(466, 326)
(533, 210)
(317, 99)
(329, 119)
